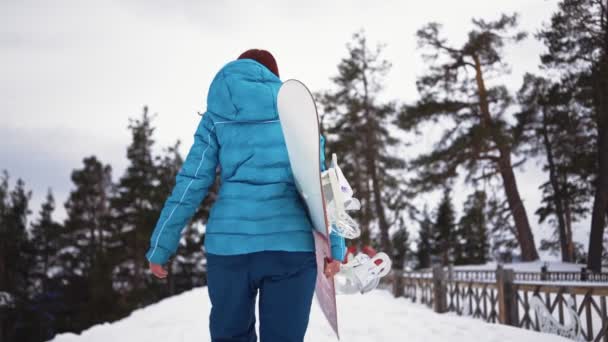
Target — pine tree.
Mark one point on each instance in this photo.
(473, 245)
(479, 139)
(577, 43)
(554, 129)
(7, 249)
(356, 124)
(400, 243)
(45, 239)
(47, 292)
(444, 229)
(135, 209)
(87, 208)
(15, 256)
(14, 246)
(84, 254)
(425, 241)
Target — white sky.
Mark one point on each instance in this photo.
(73, 72)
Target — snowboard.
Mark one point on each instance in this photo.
(300, 123)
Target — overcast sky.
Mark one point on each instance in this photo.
(73, 72)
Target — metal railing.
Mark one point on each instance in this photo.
(503, 296)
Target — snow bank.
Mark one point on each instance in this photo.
(376, 316)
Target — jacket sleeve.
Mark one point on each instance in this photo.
(338, 245)
(192, 184)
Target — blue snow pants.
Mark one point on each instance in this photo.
(286, 283)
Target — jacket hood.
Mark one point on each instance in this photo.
(244, 90)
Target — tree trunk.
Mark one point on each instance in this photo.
(505, 167)
(371, 149)
(377, 194)
(366, 211)
(3, 273)
(45, 263)
(383, 224)
(600, 202)
(568, 218)
(558, 199)
(92, 246)
(516, 206)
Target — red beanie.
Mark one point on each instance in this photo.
(262, 56)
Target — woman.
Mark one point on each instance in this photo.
(258, 236)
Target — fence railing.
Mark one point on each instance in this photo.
(543, 275)
(504, 296)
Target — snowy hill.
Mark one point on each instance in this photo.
(374, 317)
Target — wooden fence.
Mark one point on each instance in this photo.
(503, 296)
(543, 275)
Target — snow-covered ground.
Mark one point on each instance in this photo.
(376, 316)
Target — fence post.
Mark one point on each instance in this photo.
(544, 273)
(507, 297)
(450, 272)
(584, 274)
(440, 299)
(398, 283)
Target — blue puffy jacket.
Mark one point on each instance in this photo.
(258, 207)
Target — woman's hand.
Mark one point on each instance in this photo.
(331, 268)
(158, 271)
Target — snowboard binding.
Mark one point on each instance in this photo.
(362, 273)
(339, 199)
